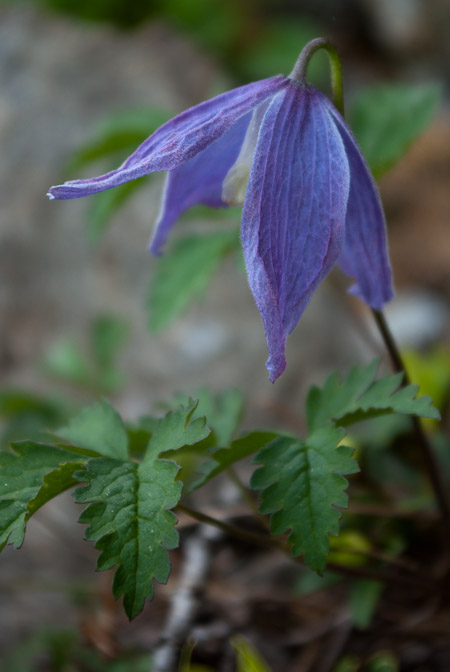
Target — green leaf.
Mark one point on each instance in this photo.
(106, 203)
(248, 659)
(177, 429)
(31, 475)
(387, 119)
(184, 273)
(130, 522)
(359, 397)
(64, 360)
(302, 486)
(99, 429)
(108, 335)
(277, 48)
(119, 134)
(364, 597)
(223, 458)
(129, 517)
(224, 411)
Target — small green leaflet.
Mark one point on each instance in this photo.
(129, 517)
(183, 274)
(386, 119)
(177, 429)
(302, 486)
(223, 410)
(30, 476)
(361, 397)
(97, 429)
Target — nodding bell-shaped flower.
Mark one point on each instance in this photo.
(282, 150)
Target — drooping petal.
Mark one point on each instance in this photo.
(365, 255)
(294, 212)
(180, 139)
(198, 181)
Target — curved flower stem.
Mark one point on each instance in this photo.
(299, 72)
(429, 458)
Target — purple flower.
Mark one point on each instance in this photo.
(309, 201)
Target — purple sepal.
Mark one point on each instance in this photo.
(365, 255)
(198, 181)
(180, 139)
(293, 221)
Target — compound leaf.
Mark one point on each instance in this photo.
(97, 429)
(31, 475)
(361, 397)
(302, 486)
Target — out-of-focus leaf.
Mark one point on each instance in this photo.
(364, 597)
(383, 661)
(278, 47)
(118, 135)
(65, 360)
(386, 119)
(248, 659)
(184, 273)
(98, 428)
(105, 204)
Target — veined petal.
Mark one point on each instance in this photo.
(180, 139)
(365, 255)
(198, 180)
(294, 212)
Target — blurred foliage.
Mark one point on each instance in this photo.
(387, 118)
(63, 651)
(252, 40)
(113, 140)
(95, 371)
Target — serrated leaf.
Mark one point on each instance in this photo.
(184, 272)
(26, 483)
(223, 411)
(386, 119)
(176, 429)
(131, 523)
(98, 428)
(302, 486)
(223, 458)
(129, 518)
(360, 397)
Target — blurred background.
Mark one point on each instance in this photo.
(82, 82)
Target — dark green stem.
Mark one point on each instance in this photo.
(299, 73)
(428, 455)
